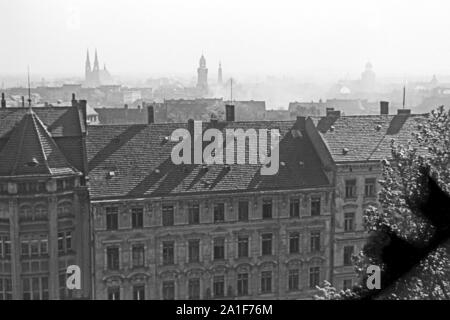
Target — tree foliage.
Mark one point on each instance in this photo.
(408, 233)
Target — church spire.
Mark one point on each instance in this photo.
(96, 65)
(219, 77)
(88, 62)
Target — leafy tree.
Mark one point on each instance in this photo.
(409, 234)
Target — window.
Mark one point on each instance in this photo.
(168, 290)
(350, 188)
(219, 286)
(347, 284)
(139, 292)
(194, 289)
(25, 213)
(243, 246)
(167, 215)
(314, 277)
(112, 218)
(168, 252)
(114, 293)
(266, 281)
(219, 248)
(5, 247)
(194, 250)
(64, 242)
(315, 241)
(294, 208)
(65, 209)
(40, 212)
(137, 218)
(112, 258)
(369, 187)
(242, 284)
(5, 289)
(267, 209)
(294, 280)
(243, 211)
(266, 244)
(349, 221)
(194, 213)
(219, 212)
(35, 288)
(348, 253)
(64, 293)
(315, 206)
(138, 256)
(34, 247)
(294, 242)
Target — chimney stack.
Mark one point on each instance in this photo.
(74, 101)
(83, 105)
(3, 101)
(403, 111)
(229, 112)
(301, 122)
(328, 111)
(150, 115)
(384, 107)
(334, 113)
(23, 102)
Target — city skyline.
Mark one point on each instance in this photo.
(252, 38)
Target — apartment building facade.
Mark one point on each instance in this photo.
(163, 231)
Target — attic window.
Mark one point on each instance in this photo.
(32, 163)
(301, 163)
(345, 151)
(157, 171)
(204, 168)
(378, 127)
(332, 129)
(283, 163)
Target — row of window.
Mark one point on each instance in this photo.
(5, 289)
(40, 211)
(369, 188)
(39, 247)
(35, 288)
(137, 214)
(193, 245)
(218, 286)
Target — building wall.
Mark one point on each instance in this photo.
(46, 230)
(153, 234)
(356, 205)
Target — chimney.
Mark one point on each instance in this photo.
(3, 101)
(23, 102)
(74, 100)
(384, 107)
(403, 111)
(334, 113)
(150, 115)
(300, 124)
(328, 111)
(125, 106)
(229, 112)
(83, 106)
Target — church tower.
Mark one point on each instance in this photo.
(87, 70)
(202, 79)
(219, 77)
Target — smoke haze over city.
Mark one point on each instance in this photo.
(305, 39)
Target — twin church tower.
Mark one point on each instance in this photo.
(95, 77)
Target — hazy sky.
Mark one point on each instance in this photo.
(155, 37)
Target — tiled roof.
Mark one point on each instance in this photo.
(60, 121)
(134, 152)
(368, 137)
(30, 150)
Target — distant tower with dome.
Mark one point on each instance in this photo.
(368, 79)
(202, 75)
